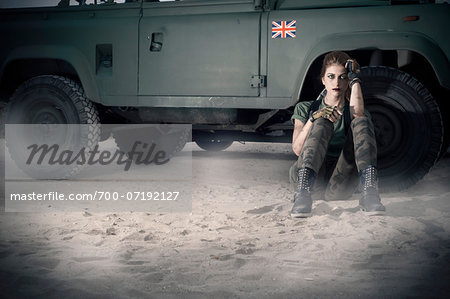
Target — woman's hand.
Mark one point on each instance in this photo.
(353, 71)
(331, 113)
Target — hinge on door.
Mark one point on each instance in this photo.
(258, 81)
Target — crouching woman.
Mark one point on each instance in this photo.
(335, 141)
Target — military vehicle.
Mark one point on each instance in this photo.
(234, 69)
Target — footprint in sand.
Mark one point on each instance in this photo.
(136, 236)
(86, 259)
(244, 251)
(222, 257)
(239, 263)
(155, 277)
(262, 210)
(95, 232)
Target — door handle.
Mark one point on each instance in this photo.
(156, 42)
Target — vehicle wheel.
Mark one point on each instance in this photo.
(51, 104)
(408, 126)
(213, 144)
(170, 139)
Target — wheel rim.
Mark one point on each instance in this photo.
(386, 123)
(389, 125)
(48, 114)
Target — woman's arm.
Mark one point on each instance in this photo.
(301, 131)
(356, 97)
(356, 101)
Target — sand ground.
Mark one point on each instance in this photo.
(238, 241)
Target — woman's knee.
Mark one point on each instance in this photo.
(361, 124)
(322, 124)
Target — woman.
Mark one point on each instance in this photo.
(333, 137)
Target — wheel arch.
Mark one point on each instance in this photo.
(26, 62)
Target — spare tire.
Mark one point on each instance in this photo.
(408, 126)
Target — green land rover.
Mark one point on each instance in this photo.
(234, 69)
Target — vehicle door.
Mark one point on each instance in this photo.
(199, 48)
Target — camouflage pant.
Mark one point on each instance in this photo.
(359, 151)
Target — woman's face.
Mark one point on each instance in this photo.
(335, 80)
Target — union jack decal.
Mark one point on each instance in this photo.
(283, 29)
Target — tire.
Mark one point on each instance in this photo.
(408, 126)
(51, 104)
(170, 139)
(214, 145)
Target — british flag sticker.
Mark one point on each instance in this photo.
(284, 29)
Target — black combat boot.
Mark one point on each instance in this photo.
(302, 197)
(370, 201)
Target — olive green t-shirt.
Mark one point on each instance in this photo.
(301, 112)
